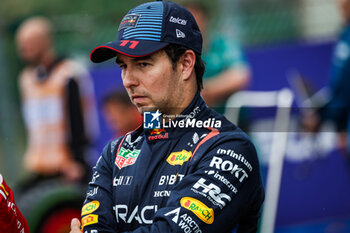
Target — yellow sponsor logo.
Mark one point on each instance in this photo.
(3, 187)
(202, 211)
(89, 219)
(90, 207)
(178, 158)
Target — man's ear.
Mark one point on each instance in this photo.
(187, 62)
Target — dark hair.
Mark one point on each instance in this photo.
(175, 51)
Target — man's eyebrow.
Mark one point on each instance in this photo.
(118, 60)
(148, 57)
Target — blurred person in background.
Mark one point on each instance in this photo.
(227, 70)
(337, 106)
(58, 105)
(119, 113)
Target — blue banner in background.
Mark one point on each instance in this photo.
(316, 177)
(106, 78)
(271, 66)
(315, 184)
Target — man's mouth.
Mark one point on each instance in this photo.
(138, 99)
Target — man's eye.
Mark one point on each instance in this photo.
(143, 64)
(122, 66)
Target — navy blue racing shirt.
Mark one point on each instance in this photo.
(201, 175)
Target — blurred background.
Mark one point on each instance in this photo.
(284, 42)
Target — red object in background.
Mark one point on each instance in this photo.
(11, 218)
(59, 221)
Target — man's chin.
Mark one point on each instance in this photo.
(30, 62)
(143, 109)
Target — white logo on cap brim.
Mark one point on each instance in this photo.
(180, 34)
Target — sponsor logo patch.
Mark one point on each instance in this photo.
(157, 131)
(94, 177)
(92, 192)
(227, 165)
(129, 20)
(3, 193)
(122, 180)
(186, 223)
(143, 215)
(180, 34)
(202, 211)
(3, 187)
(177, 20)
(212, 192)
(158, 134)
(89, 219)
(163, 193)
(223, 180)
(12, 206)
(126, 157)
(90, 207)
(170, 179)
(195, 140)
(234, 155)
(178, 158)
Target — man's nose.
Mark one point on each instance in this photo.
(130, 78)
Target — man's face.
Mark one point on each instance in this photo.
(120, 117)
(151, 81)
(344, 8)
(31, 45)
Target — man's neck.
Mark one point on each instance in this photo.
(172, 113)
(48, 59)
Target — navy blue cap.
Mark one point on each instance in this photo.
(150, 27)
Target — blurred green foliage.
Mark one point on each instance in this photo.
(269, 21)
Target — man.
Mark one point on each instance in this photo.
(120, 114)
(58, 105)
(198, 172)
(11, 219)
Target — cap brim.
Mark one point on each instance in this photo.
(134, 48)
